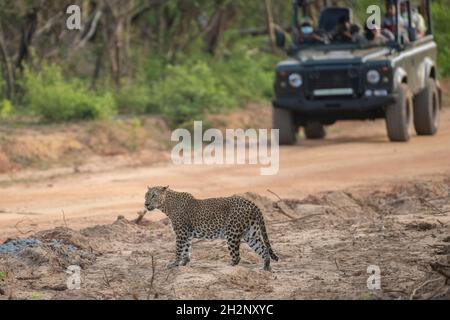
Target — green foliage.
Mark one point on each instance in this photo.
(6, 109)
(154, 68)
(134, 99)
(2, 88)
(188, 91)
(441, 17)
(52, 98)
(178, 79)
(3, 275)
(247, 75)
(36, 296)
(185, 92)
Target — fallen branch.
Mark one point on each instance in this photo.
(411, 297)
(439, 268)
(16, 226)
(432, 206)
(64, 218)
(337, 264)
(141, 215)
(152, 279)
(297, 219)
(284, 207)
(106, 279)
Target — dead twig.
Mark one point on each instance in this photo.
(16, 226)
(337, 264)
(413, 294)
(283, 207)
(439, 268)
(296, 219)
(141, 215)
(106, 279)
(29, 278)
(270, 191)
(440, 222)
(152, 279)
(64, 218)
(432, 206)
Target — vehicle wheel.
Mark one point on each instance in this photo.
(315, 130)
(426, 110)
(284, 121)
(399, 116)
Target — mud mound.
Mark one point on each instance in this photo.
(423, 189)
(57, 248)
(325, 243)
(121, 230)
(71, 145)
(67, 237)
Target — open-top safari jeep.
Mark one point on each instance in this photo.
(324, 80)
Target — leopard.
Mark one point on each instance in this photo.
(233, 218)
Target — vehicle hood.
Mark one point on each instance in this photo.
(318, 57)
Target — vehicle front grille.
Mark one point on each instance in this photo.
(332, 79)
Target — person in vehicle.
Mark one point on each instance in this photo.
(377, 36)
(343, 31)
(307, 34)
(390, 22)
(357, 35)
(418, 21)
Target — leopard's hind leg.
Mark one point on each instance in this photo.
(253, 237)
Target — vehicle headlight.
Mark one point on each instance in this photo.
(295, 80)
(373, 77)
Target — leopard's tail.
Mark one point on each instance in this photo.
(265, 237)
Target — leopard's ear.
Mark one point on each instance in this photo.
(148, 187)
(165, 188)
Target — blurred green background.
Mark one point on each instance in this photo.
(176, 58)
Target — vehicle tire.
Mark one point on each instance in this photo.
(315, 130)
(399, 116)
(284, 121)
(426, 109)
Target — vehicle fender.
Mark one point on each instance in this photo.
(399, 76)
(425, 71)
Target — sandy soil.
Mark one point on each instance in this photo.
(324, 253)
(361, 201)
(356, 155)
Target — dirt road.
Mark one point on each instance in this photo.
(355, 155)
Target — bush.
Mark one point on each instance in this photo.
(134, 99)
(441, 16)
(52, 98)
(248, 77)
(187, 92)
(5, 109)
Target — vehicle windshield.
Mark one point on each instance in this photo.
(363, 24)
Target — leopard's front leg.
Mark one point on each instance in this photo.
(183, 244)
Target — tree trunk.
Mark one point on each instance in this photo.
(28, 29)
(8, 72)
(270, 23)
(219, 21)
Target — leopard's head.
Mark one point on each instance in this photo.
(155, 198)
